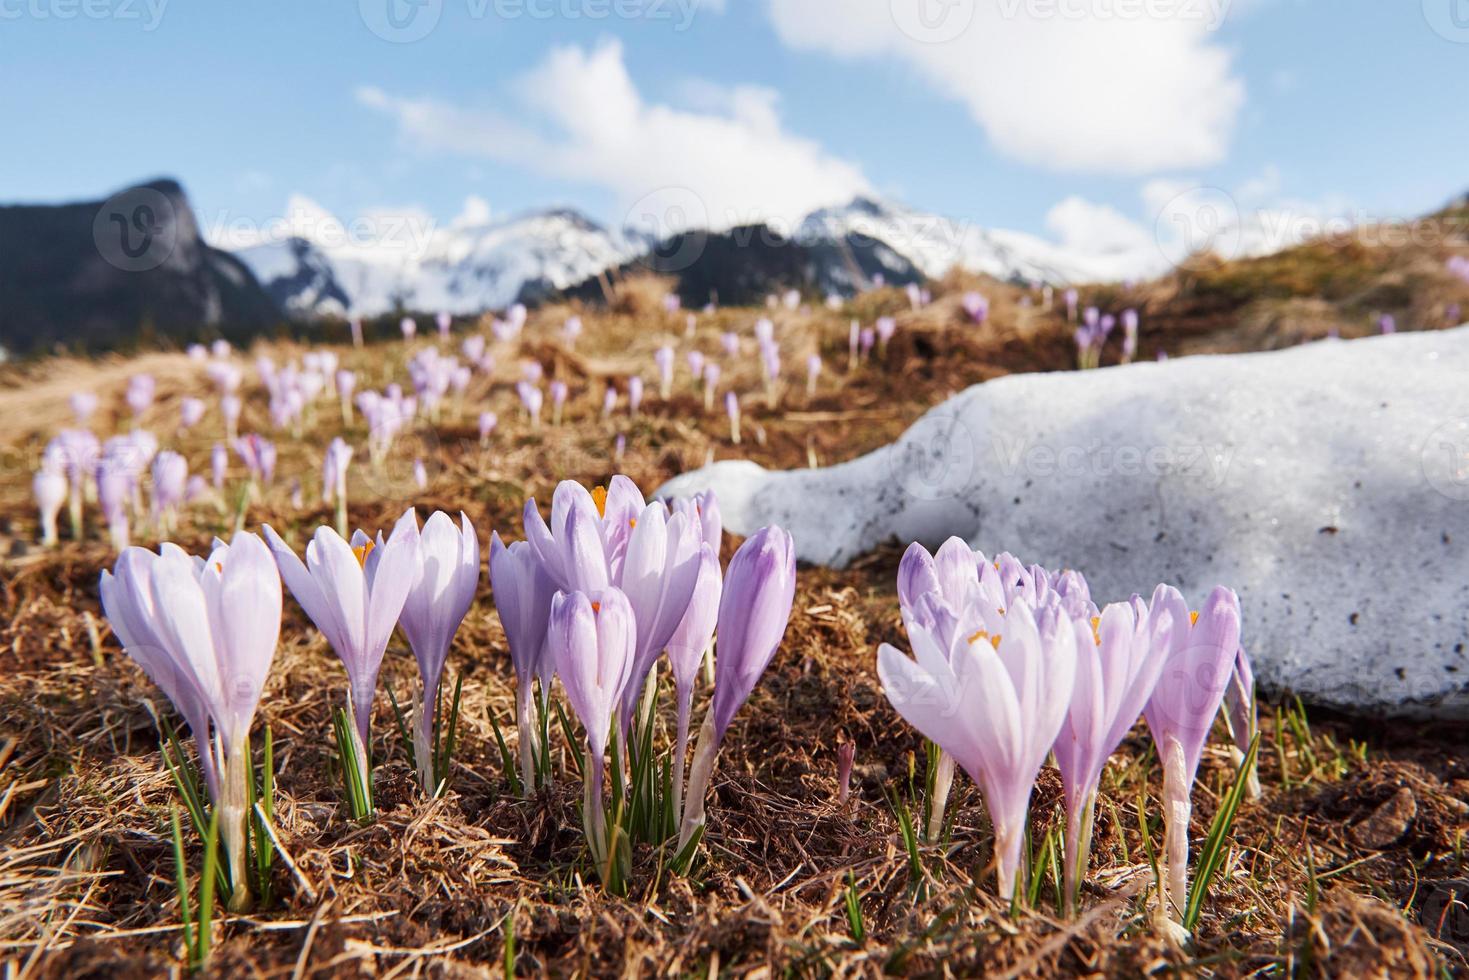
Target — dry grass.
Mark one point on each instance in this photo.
(434, 887)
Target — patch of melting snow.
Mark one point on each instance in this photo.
(1330, 489)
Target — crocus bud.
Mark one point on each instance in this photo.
(83, 405)
(754, 610)
(711, 384)
(229, 408)
(846, 755)
(619, 447)
(813, 371)
(532, 399)
(444, 581)
(571, 330)
(487, 422)
(609, 401)
(732, 409)
(558, 399)
(663, 360)
(1387, 323)
(170, 479)
(730, 341)
(141, 388)
(219, 463)
(409, 327)
(50, 490)
(420, 475)
(443, 321)
(634, 395)
(695, 361)
(191, 410)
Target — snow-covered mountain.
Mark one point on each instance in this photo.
(936, 245)
(476, 263)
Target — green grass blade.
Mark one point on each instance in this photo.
(206, 891)
(181, 881)
(1211, 857)
(507, 761)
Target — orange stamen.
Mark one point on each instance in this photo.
(599, 497)
(362, 551)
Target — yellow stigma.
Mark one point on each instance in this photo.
(978, 635)
(1097, 628)
(599, 497)
(362, 551)
(596, 607)
(1193, 618)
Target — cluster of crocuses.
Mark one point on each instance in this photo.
(1096, 327)
(1014, 664)
(595, 598)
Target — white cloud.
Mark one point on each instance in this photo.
(580, 117)
(1093, 228)
(1074, 85)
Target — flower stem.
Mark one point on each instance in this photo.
(1080, 817)
(699, 776)
(233, 810)
(943, 782)
(1176, 810)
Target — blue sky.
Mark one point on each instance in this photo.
(758, 106)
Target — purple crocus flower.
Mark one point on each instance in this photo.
(443, 321)
(532, 398)
(558, 392)
(1240, 713)
(1387, 324)
(867, 340)
(444, 582)
(886, 327)
(219, 463)
(615, 539)
(634, 395)
(409, 327)
(523, 592)
(732, 409)
(487, 423)
(754, 610)
(686, 649)
(712, 372)
(49, 488)
(354, 594)
(140, 391)
(258, 455)
(609, 401)
(1129, 335)
(571, 330)
(1201, 655)
(114, 497)
(1072, 297)
(205, 632)
(191, 410)
(1117, 668)
(83, 405)
(695, 361)
(995, 702)
(591, 642)
(764, 331)
(976, 306)
(663, 361)
(170, 480)
(730, 341)
(230, 407)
